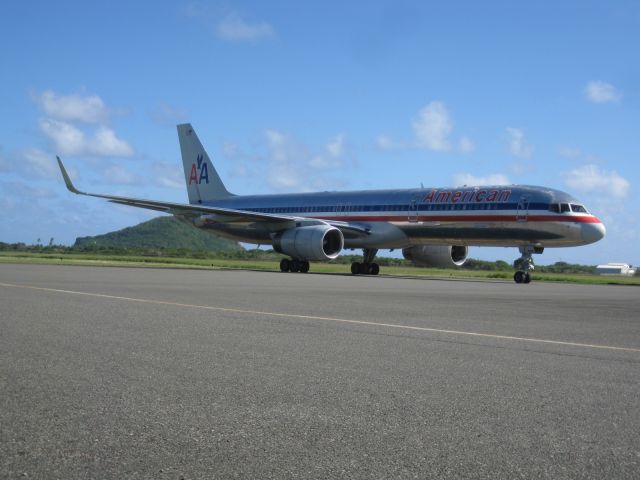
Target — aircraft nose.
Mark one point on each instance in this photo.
(592, 232)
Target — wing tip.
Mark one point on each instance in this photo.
(66, 178)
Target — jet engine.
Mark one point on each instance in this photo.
(436, 255)
(314, 242)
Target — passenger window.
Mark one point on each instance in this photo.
(564, 207)
(554, 207)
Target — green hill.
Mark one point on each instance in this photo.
(161, 232)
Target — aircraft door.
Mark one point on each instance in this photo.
(523, 209)
(413, 209)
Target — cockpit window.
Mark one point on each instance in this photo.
(554, 207)
(578, 208)
(564, 207)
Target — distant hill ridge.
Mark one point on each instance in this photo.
(160, 232)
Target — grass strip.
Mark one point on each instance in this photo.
(269, 265)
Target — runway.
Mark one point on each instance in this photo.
(172, 373)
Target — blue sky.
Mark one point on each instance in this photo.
(300, 96)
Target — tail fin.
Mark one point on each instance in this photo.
(203, 182)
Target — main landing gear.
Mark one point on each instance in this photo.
(368, 267)
(524, 264)
(294, 265)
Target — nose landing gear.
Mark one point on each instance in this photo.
(524, 264)
(522, 277)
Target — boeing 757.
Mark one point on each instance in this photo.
(432, 226)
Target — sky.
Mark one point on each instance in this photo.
(290, 96)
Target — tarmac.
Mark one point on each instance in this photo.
(170, 373)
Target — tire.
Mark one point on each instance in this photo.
(304, 266)
(285, 265)
(518, 277)
(375, 269)
(355, 268)
(295, 266)
(527, 278)
(364, 269)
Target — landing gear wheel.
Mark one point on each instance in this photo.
(524, 264)
(295, 266)
(365, 268)
(304, 266)
(285, 265)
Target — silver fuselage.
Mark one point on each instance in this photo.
(507, 216)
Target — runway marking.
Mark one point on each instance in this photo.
(326, 319)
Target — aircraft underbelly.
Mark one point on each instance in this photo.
(506, 234)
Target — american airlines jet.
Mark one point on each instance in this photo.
(432, 226)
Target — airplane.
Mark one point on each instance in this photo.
(433, 226)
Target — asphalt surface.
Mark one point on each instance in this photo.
(142, 373)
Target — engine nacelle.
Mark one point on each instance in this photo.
(314, 242)
(436, 255)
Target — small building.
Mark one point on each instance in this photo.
(616, 269)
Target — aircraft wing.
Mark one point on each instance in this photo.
(227, 215)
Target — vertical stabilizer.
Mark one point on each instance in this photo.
(203, 182)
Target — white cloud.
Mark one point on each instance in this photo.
(234, 28)
(285, 179)
(77, 124)
(462, 179)
(293, 166)
(518, 146)
(74, 108)
(336, 146)
(67, 139)
(598, 91)
(285, 168)
(242, 171)
(333, 155)
(119, 175)
(235, 152)
(432, 127)
(105, 143)
(168, 174)
(40, 164)
(590, 178)
(284, 148)
(571, 153)
(385, 142)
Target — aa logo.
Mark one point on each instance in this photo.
(199, 172)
